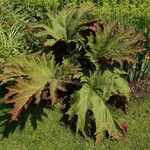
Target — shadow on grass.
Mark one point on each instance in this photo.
(34, 113)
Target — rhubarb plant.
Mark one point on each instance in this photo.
(80, 78)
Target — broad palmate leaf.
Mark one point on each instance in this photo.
(63, 25)
(35, 74)
(96, 90)
(115, 43)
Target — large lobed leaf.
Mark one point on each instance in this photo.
(116, 43)
(64, 25)
(34, 74)
(96, 90)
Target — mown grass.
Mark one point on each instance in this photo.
(49, 135)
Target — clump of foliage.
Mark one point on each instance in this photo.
(87, 54)
(9, 16)
(141, 69)
(129, 13)
(12, 24)
(11, 42)
(138, 76)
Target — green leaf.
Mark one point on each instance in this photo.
(88, 99)
(34, 74)
(96, 90)
(64, 25)
(50, 42)
(114, 42)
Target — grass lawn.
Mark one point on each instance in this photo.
(47, 134)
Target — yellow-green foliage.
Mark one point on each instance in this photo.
(11, 42)
(128, 13)
(33, 74)
(116, 43)
(64, 26)
(96, 90)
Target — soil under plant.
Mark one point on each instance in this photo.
(141, 88)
